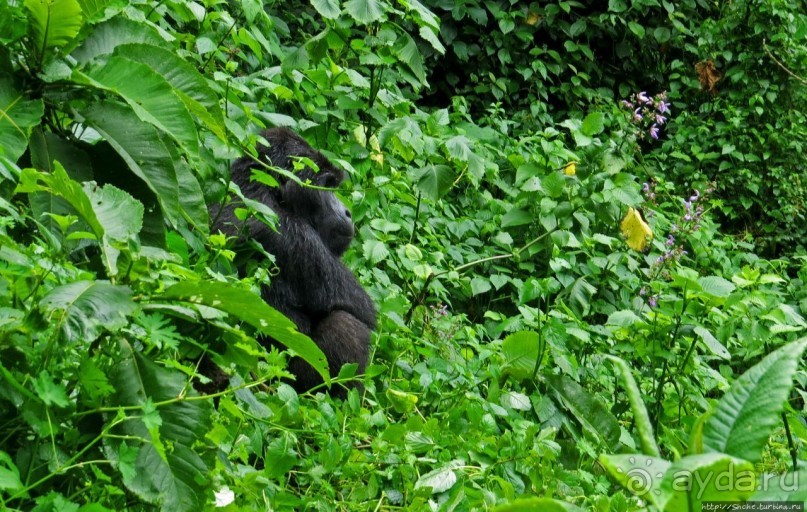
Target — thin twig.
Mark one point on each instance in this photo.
(778, 63)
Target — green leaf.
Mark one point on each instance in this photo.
(365, 11)
(480, 285)
(692, 480)
(593, 124)
(9, 474)
(788, 487)
(440, 480)
(114, 216)
(84, 309)
(174, 478)
(521, 351)
(435, 180)
(112, 33)
(375, 251)
(744, 418)
(407, 52)
(517, 217)
(586, 409)
(640, 474)
(50, 392)
(642, 420)
(191, 87)
(329, 9)
(624, 318)
(714, 346)
(150, 96)
(140, 146)
(95, 10)
(53, 22)
(17, 117)
(249, 308)
(537, 505)
(716, 286)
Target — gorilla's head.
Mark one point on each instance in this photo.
(320, 208)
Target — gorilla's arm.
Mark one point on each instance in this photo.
(319, 280)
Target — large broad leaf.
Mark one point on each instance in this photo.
(588, 411)
(166, 470)
(365, 11)
(53, 22)
(692, 480)
(149, 95)
(84, 309)
(18, 116)
(109, 35)
(744, 418)
(188, 83)
(251, 309)
(140, 146)
(435, 180)
(114, 216)
(407, 51)
(521, 351)
(329, 9)
(95, 10)
(787, 487)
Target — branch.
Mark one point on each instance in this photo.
(778, 63)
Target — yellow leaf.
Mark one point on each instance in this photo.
(570, 169)
(635, 230)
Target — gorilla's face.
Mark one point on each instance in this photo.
(324, 212)
(332, 221)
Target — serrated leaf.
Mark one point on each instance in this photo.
(365, 11)
(84, 309)
(440, 480)
(744, 418)
(435, 180)
(459, 148)
(53, 22)
(18, 116)
(329, 9)
(408, 53)
(247, 307)
(430, 35)
(375, 251)
(714, 346)
(716, 286)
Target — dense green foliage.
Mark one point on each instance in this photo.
(527, 357)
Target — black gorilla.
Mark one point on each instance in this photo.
(313, 288)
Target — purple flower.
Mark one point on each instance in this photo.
(660, 119)
(637, 115)
(696, 196)
(671, 240)
(663, 107)
(654, 131)
(652, 301)
(642, 96)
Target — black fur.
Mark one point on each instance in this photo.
(313, 288)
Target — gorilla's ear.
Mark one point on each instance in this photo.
(329, 176)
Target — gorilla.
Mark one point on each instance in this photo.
(313, 287)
